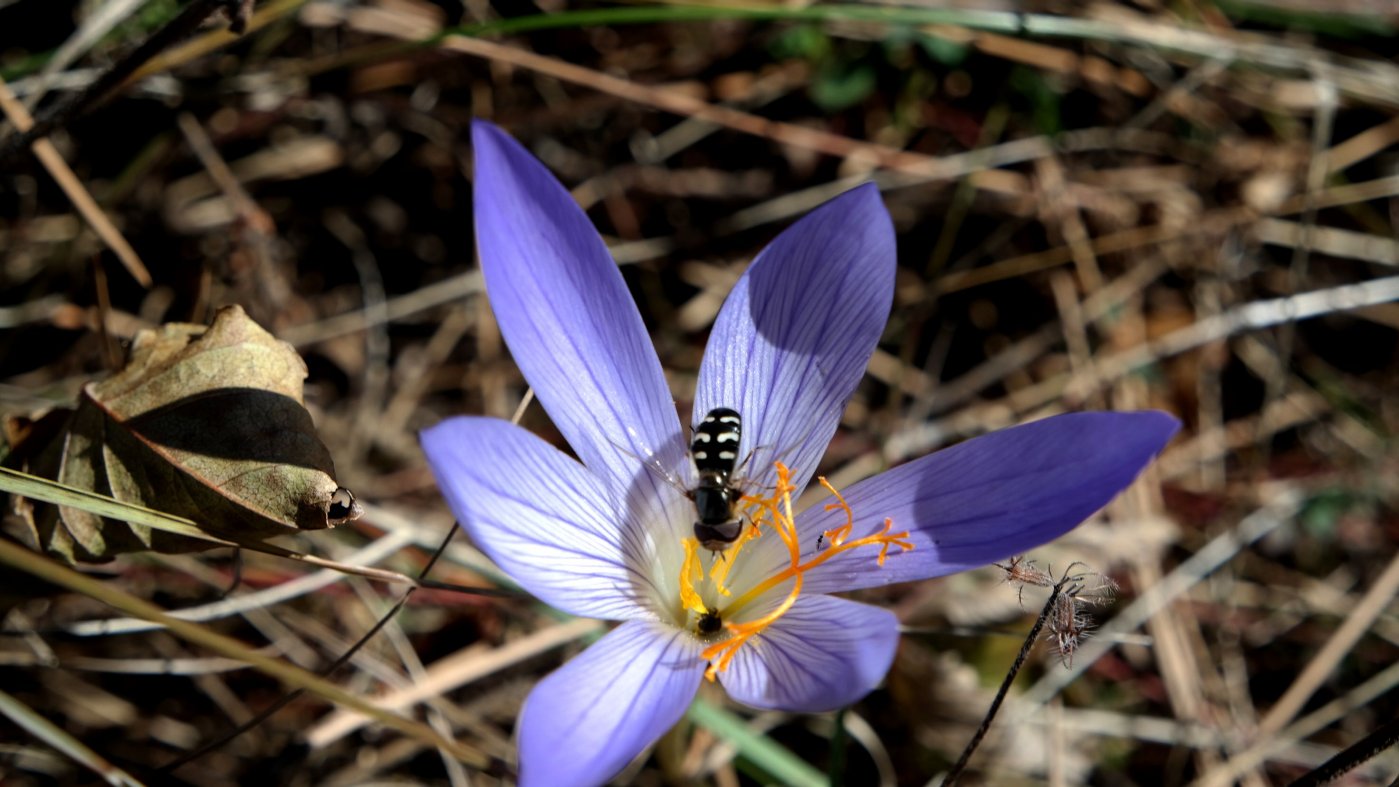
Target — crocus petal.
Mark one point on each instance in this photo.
(795, 335)
(586, 721)
(823, 654)
(570, 323)
(542, 517)
(988, 498)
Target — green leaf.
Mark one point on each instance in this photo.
(839, 87)
(1323, 511)
(1319, 20)
(948, 53)
(1045, 100)
(803, 42)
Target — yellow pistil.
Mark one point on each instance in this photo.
(774, 511)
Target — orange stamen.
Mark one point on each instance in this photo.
(775, 511)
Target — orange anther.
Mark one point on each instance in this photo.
(775, 511)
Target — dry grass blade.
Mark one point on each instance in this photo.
(454, 672)
(265, 15)
(60, 494)
(87, 207)
(1376, 601)
(1242, 762)
(682, 104)
(45, 730)
(184, 22)
(294, 677)
(1330, 240)
(439, 724)
(1187, 207)
(420, 300)
(373, 552)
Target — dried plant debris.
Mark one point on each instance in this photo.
(1070, 621)
(205, 423)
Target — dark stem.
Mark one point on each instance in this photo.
(179, 28)
(1360, 751)
(236, 564)
(1025, 649)
(291, 696)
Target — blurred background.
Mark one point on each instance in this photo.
(1187, 205)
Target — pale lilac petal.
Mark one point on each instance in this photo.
(988, 498)
(586, 721)
(795, 335)
(542, 517)
(825, 653)
(570, 322)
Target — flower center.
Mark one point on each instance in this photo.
(773, 512)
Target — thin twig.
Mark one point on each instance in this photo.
(1364, 749)
(1323, 121)
(38, 566)
(1020, 657)
(291, 696)
(686, 105)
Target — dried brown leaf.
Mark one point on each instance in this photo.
(207, 424)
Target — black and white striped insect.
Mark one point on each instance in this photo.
(714, 449)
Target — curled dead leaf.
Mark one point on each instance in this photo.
(205, 423)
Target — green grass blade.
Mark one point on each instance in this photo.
(784, 766)
(36, 488)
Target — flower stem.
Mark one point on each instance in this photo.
(839, 738)
(1024, 653)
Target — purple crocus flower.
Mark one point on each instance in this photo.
(610, 535)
